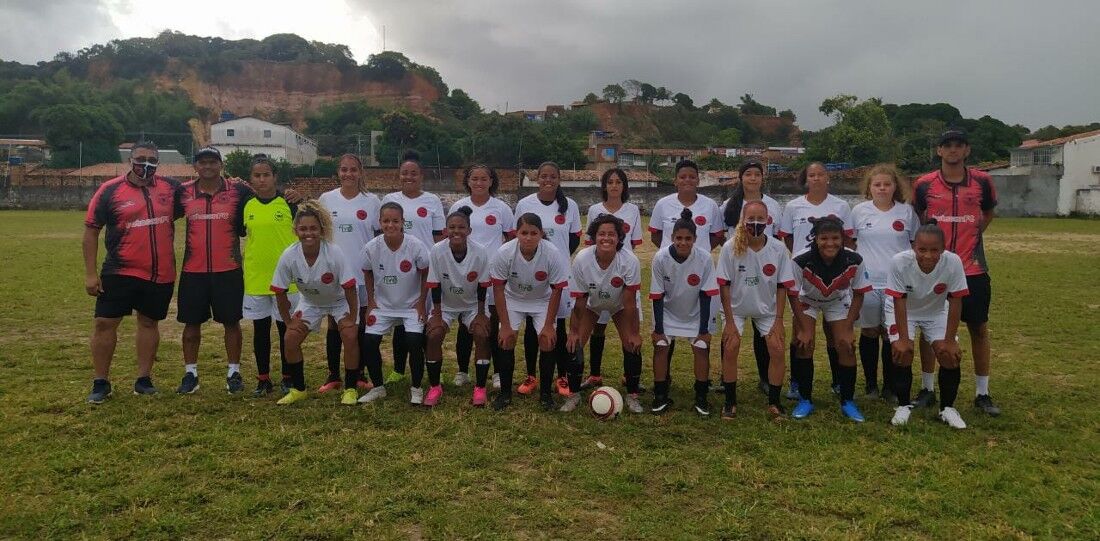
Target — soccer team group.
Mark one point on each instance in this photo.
(906, 262)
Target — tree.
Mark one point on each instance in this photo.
(385, 66)
(750, 106)
(614, 93)
(80, 134)
(238, 163)
(836, 105)
(861, 135)
(633, 87)
(591, 98)
(788, 114)
(461, 105)
(683, 100)
(647, 93)
(663, 94)
(729, 137)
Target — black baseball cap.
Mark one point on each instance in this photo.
(205, 152)
(953, 134)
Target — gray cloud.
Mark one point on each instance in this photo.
(33, 30)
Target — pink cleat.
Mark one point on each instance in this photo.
(434, 395)
(480, 397)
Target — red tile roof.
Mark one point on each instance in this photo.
(1033, 143)
(118, 169)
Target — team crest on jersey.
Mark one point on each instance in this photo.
(422, 212)
(471, 276)
(693, 280)
(893, 329)
(700, 220)
(617, 281)
(769, 269)
(406, 265)
(490, 219)
(222, 197)
(899, 225)
(940, 288)
(540, 276)
(626, 227)
(769, 219)
(559, 219)
(327, 278)
(371, 319)
(361, 214)
(278, 216)
(164, 199)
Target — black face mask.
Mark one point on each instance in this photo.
(756, 228)
(144, 170)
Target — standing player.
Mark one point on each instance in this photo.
(355, 222)
(832, 285)
(883, 226)
(754, 274)
(606, 279)
(529, 275)
(137, 209)
(458, 276)
(682, 282)
(615, 190)
(395, 267)
(962, 200)
(926, 286)
(491, 225)
(561, 222)
(666, 213)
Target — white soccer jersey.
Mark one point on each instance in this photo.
(925, 294)
(323, 283)
(797, 214)
(775, 214)
(489, 222)
(527, 284)
(396, 273)
(754, 276)
(680, 283)
(458, 282)
(423, 215)
(556, 226)
(882, 235)
(629, 214)
(823, 283)
(354, 221)
(605, 287)
(704, 212)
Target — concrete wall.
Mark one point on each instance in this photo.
(1080, 156)
(1088, 202)
(1027, 191)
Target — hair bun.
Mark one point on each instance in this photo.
(410, 155)
(685, 214)
(932, 221)
(465, 210)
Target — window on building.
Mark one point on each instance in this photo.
(1042, 155)
(229, 132)
(267, 134)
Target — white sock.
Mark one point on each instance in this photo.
(928, 381)
(482, 361)
(233, 369)
(192, 369)
(982, 385)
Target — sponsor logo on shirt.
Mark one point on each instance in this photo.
(965, 218)
(457, 290)
(148, 221)
(752, 280)
(211, 216)
(345, 228)
(408, 225)
(389, 280)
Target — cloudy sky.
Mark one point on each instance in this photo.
(1034, 63)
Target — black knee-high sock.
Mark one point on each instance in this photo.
(400, 349)
(494, 345)
(575, 364)
(760, 351)
(481, 372)
(374, 358)
(564, 358)
(531, 346)
(868, 356)
(297, 375)
(949, 386)
(902, 378)
(281, 327)
(414, 345)
(730, 389)
(702, 387)
(660, 388)
(362, 339)
(632, 368)
(351, 378)
(595, 355)
(886, 354)
(834, 364)
(847, 382)
(793, 356)
(332, 350)
(548, 362)
(464, 347)
(261, 345)
(803, 371)
(434, 370)
(506, 365)
(773, 394)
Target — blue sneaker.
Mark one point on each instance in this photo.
(851, 411)
(803, 409)
(101, 391)
(792, 393)
(144, 386)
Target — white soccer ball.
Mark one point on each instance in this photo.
(606, 403)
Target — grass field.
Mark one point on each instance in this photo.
(215, 466)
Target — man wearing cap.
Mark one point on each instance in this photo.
(212, 282)
(137, 210)
(961, 201)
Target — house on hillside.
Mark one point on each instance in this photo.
(664, 157)
(19, 151)
(166, 155)
(1058, 176)
(257, 136)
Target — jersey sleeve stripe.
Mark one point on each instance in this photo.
(499, 282)
(656, 296)
(349, 284)
(895, 294)
(788, 284)
(710, 292)
(634, 287)
(485, 284)
(560, 285)
(577, 294)
(960, 293)
(277, 289)
(636, 242)
(863, 289)
(432, 285)
(723, 281)
(654, 229)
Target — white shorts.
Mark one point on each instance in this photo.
(835, 310)
(464, 317)
(931, 329)
(260, 306)
(313, 315)
(605, 316)
(679, 328)
(872, 314)
(764, 324)
(516, 318)
(381, 323)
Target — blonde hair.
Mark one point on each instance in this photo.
(740, 235)
(901, 183)
(318, 211)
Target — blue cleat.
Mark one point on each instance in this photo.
(851, 411)
(803, 409)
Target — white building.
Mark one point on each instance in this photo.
(1075, 160)
(257, 136)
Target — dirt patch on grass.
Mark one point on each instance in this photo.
(1036, 243)
(66, 235)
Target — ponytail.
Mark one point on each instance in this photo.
(732, 213)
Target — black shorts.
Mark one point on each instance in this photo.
(203, 293)
(124, 294)
(975, 306)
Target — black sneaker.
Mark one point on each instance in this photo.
(189, 384)
(763, 387)
(701, 406)
(101, 391)
(263, 388)
(234, 384)
(144, 386)
(502, 400)
(984, 402)
(871, 391)
(661, 404)
(925, 399)
(547, 402)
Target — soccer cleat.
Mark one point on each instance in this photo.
(547, 402)
(416, 396)
(349, 397)
(285, 385)
(952, 418)
(925, 399)
(592, 382)
(563, 386)
(234, 384)
(851, 411)
(571, 403)
(633, 405)
(393, 377)
(376, 393)
(292, 396)
(435, 394)
(263, 387)
(661, 404)
(729, 411)
(792, 392)
(901, 415)
(528, 386)
(984, 402)
(144, 386)
(480, 397)
(503, 400)
(871, 391)
(803, 409)
(776, 412)
(364, 385)
(762, 386)
(701, 406)
(461, 378)
(188, 385)
(496, 382)
(101, 391)
(333, 383)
